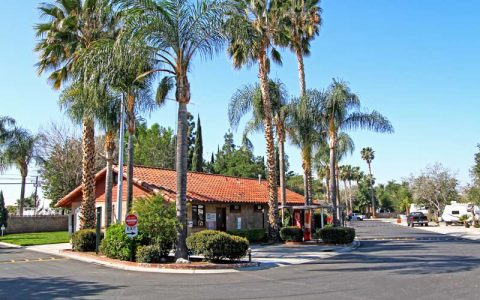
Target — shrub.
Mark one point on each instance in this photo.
(157, 221)
(216, 245)
(317, 219)
(337, 235)
(252, 235)
(291, 234)
(150, 254)
(84, 240)
(117, 244)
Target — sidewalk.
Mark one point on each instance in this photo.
(269, 256)
(457, 231)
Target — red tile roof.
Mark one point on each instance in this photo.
(201, 187)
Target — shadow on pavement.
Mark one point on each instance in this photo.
(49, 288)
(377, 256)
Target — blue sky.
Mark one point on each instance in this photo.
(414, 61)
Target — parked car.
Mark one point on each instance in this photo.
(356, 217)
(417, 218)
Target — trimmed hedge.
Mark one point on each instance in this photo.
(337, 235)
(117, 244)
(217, 245)
(252, 235)
(291, 234)
(84, 240)
(150, 254)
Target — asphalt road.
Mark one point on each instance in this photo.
(393, 263)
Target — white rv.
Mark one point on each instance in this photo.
(452, 212)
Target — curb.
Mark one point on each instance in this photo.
(11, 245)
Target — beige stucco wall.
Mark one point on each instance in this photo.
(76, 210)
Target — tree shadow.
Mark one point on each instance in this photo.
(49, 288)
(376, 256)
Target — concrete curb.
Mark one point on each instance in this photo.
(11, 245)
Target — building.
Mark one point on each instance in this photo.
(213, 201)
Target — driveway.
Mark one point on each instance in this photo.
(424, 266)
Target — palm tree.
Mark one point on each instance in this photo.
(179, 30)
(368, 155)
(249, 97)
(6, 124)
(71, 27)
(341, 110)
(19, 150)
(303, 23)
(252, 28)
(303, 124)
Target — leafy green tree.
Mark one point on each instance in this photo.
(435, 187)
(3, 211)
(19, 151)
(155, 146)
(239, 161)
(472, 191)
(342, 112)
(197, 160)
(179, 31)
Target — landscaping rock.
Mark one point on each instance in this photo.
(182, 261)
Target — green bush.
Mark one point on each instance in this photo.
(157, 222)
(337, 235)
(217, 245)
(317, 219)
(150, 254)
(84, 240)
(291, 234)
(252, 235)
(117, 244)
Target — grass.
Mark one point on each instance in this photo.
(36, 238)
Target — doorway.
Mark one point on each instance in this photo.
(221, 219)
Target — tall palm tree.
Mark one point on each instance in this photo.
(6, 128)
(252, 28)
(303, 125)
(71, 27)
(303, 23)
(341, 110)
(179, 30)
(19, 151)
(248, 98)
(368, 155)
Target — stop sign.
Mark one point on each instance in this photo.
(131, 220)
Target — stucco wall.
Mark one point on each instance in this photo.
(17, 224)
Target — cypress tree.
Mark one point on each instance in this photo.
(3, 211)
(197, 160)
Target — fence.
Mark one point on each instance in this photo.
(17, 224)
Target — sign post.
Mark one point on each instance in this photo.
(97, 229)
(2, 228)
(131, 229)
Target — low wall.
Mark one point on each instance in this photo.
(17, 224)
(386, 215)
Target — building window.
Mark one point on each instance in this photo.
(258, 208)
(198, 215)
(235, 208)
(455, 212)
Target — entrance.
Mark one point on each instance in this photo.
(221, 219)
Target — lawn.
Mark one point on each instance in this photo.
(37, 238)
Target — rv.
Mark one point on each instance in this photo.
(452, 212)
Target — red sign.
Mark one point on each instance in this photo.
(131, 220)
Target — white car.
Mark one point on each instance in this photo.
(356, 217)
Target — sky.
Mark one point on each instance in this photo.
(414, 61)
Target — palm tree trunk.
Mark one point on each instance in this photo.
(267, 124)
(87, 219)
(130, 158)
(327, 184)
(301, 72)
(305, 180)
(283, 190)
(339, 197)
(345, 194)
(333, 187)
(109, 149)
(22, 194)
(371, 190)
(183, 97)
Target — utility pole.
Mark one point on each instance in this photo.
(120, 163)
(36, 195)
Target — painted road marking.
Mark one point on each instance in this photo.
(26, 260)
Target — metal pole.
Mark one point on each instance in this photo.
(97, 229)
(321, 217)
(36, 195)
(120, 164)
